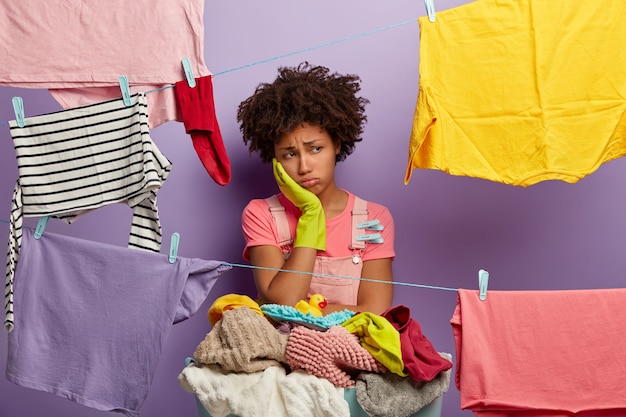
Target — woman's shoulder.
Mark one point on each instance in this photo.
(262, 205)
(256, 208)
(257, 203)
(372, 206)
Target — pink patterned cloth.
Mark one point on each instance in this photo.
(330, 354)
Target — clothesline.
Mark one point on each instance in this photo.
(406, 284)
(300, 51)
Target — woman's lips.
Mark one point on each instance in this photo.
(309, 182)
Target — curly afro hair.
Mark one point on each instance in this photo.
(303, 94)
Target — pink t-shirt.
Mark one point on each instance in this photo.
(259, 229)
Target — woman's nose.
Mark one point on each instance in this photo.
(304, 165)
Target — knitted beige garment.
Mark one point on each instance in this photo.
(242, 341)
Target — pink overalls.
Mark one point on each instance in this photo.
(331, 276)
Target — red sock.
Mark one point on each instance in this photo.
(197, 110)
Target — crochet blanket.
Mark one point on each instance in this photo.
(283, 313)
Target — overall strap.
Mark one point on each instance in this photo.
(359, 215)
(280, 220)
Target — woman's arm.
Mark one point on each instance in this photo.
(374, 297)
(282, 287)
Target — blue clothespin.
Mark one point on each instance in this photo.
(18, 108)
(430, 9)
(371, 225)
(189, 73)
(368, 224)
(41, 225)
(124, 86)
(173, 247)
(483, 283)
(371, 238)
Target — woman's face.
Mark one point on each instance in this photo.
(308, 155)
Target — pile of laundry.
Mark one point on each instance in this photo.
(249, 362)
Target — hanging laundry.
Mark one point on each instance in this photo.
(93, 318)
(81, 59)
(197, 111)
(75, 161)
(541, 353)
(521, 91)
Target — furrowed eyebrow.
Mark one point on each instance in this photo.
(308, 143)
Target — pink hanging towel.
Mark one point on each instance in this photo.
(542, 353)
(79, 49)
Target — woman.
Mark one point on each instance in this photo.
(305, 240)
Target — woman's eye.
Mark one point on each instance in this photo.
(289, 155)
(316, 149)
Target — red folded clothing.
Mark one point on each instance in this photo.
(421, 361)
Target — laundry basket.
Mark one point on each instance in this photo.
(431, 410)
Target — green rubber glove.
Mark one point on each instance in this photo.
(311, 229)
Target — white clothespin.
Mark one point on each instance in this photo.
(188, 73)
(18, 108)
(174, 247)
(430, 9)
(41, 225)
(483, 283)
(124, 86)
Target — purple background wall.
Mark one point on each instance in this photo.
(552, 235)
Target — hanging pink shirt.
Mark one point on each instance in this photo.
(78, 49)
(541, 353)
